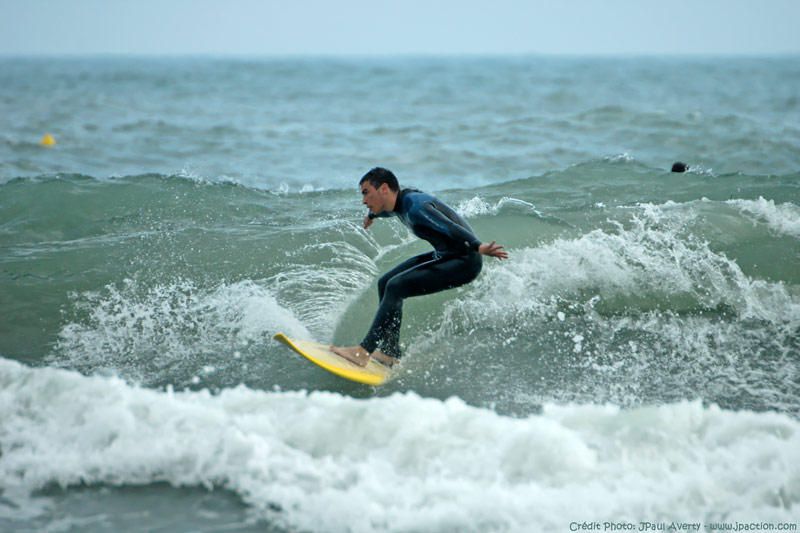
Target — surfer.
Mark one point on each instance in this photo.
(454, 261)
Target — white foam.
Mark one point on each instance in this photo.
(700, 324)
(652, 256)
(132, 327)
(156, 331)
(402, 463)
(477, 206)
(620, 158)
(781, 218)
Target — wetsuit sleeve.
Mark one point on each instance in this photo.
(443, 224)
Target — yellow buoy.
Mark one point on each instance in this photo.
(48, 140)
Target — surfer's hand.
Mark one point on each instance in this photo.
(493, 250)
(367, 222)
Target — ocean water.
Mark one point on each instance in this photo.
(637, 359)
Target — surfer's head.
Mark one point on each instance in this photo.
(378, 176)
(679, 166)
(379, 190)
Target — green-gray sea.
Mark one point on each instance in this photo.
(636, 359)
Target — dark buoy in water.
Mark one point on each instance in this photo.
(677, 166)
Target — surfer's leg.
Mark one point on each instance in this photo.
(425, 278)
(385, 330)
(399, 269)
(360, 355)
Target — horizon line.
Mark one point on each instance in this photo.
(397, 55)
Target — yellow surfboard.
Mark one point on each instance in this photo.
(320, 354)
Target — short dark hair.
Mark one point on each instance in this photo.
(378, 176)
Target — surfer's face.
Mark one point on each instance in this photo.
(374, 199)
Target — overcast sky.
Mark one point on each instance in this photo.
(375, 27)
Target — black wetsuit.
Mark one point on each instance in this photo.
(453, 262)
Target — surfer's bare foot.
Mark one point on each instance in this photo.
(382, 358)
(354, 354)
